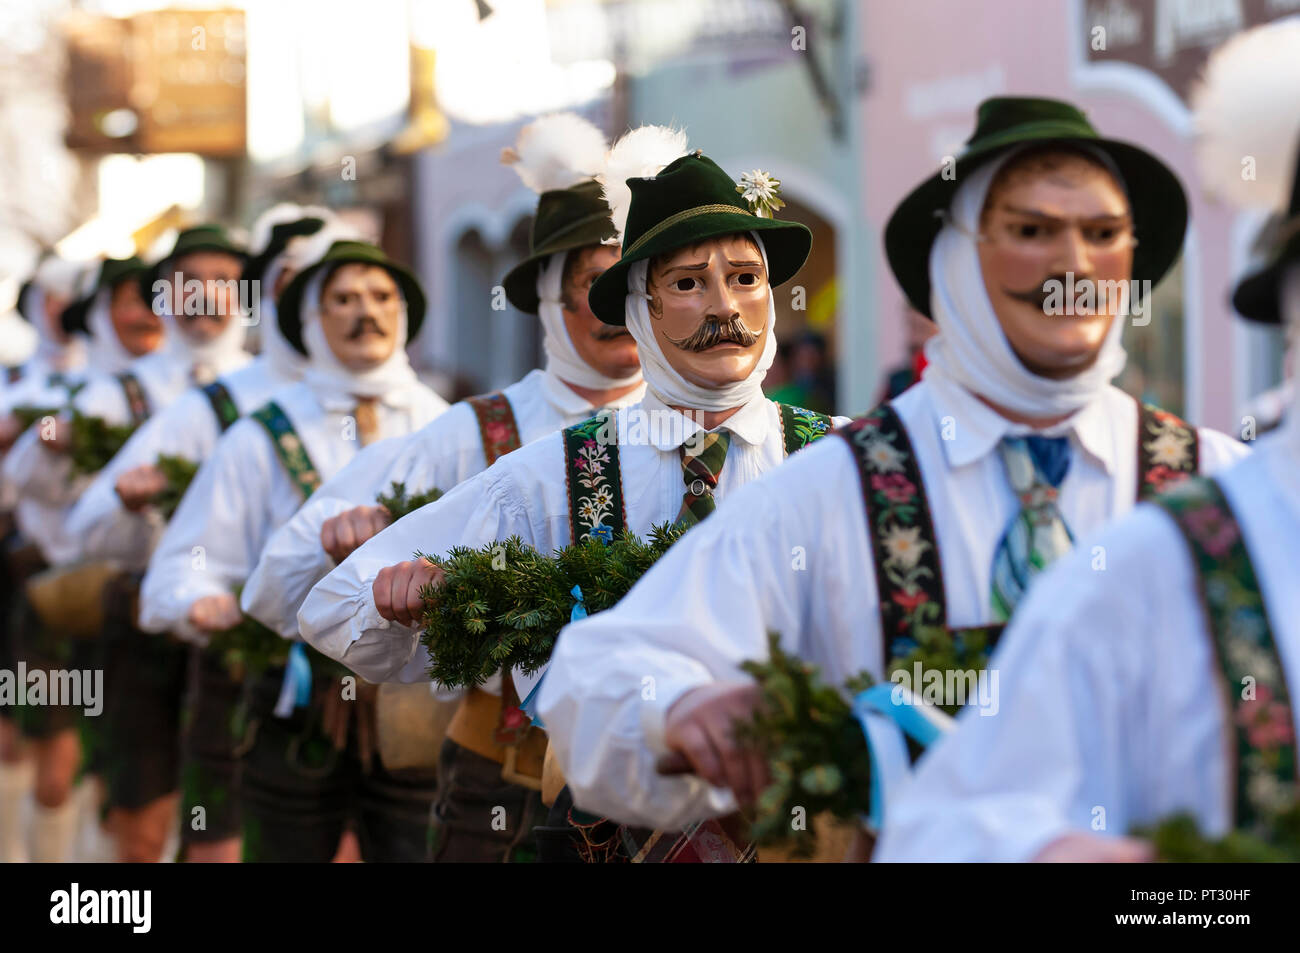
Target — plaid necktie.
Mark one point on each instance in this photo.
(367, 418)
(1037, 534)
(702, 459)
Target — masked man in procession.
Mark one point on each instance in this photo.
(1013, 442)
(1158, 700)
(118, 518)
(589, 365)
(693, 286)
(42, 384)
(194, 290)
(306, 774)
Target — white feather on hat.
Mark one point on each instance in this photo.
(556, 152)
(639, 154)
(304, 251)
(281, 214)
(1247, 107)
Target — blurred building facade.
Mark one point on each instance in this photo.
(398, 118)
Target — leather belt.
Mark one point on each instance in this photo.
(474, 727)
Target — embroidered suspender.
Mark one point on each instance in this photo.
(137, 401)
(909, 575)
(496, 425)
(594, 479)
(800, 427)
(1168, 451)
(223, 405)
(288, 447)
(1259, 728)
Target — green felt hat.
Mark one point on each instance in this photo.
(1155, 195)
(1258, 297)
(566, 219)
(281, 233)
(112, 272)
(289, 310)
(691, 200)
(209, 237)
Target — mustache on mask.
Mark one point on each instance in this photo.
(608, 332)
(364, 324)
(714, 331)
(1038, 295)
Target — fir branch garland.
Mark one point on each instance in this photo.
(95, 442)
(504, 604)
(28, 415)
(1179, 839)
(249, 649)
(179, 472)
(814, 746)
(399, 503)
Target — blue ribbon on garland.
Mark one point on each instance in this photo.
(887, 713)
(579, 611)
(295, 689)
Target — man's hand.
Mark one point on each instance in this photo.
(397, 590)
(11, 428)
(701, 725)
(215, 613)
(343, 533)
(1081, 848)
(140, 486)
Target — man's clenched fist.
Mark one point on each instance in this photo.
(343, 533)
(702, 724)
(215, 613)
(397, 590)
(140, 486)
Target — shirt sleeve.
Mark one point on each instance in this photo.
(338, 617)
(293, 559)
(1073, 742)
(693, 619)
(104, 527)
(1218, 451)
(214, 537)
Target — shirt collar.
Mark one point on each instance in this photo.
(979, 428)
(569, 402)
(752, 423)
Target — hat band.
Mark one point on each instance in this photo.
(682, 216)
(583, 222)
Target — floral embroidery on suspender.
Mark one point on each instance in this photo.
(1260, 729)
(137, 401)
(288, 447)
(909, 576)
(497, 427)
(593, 479)
(223, 405)
(800, 427)
(1169, 451)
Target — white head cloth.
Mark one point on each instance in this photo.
(971, 347)
(562, 358)
(105, 353)
(664, 382)
(390, 382)
(283, 357)
(49, 351)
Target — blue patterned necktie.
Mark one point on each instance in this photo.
(1037, 534)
